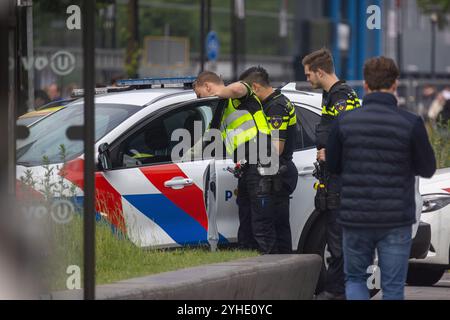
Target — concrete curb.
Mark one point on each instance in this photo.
(268, 277)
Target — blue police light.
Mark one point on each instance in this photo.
(157, 81)
(132, 84)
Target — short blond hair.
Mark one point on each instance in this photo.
(207, 76)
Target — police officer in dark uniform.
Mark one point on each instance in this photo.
(337, 97)
(244, 127)
(282, 121)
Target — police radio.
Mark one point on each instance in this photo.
(320, 200)
(324, 199)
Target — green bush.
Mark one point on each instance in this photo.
(440, 140)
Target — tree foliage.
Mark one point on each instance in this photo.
(440, 7)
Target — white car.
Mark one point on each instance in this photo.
(160, 203)
(436, 211)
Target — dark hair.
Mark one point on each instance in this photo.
(41, 94)
(320, 59)
(257, 75)
(207, 76)
(380, 73)
(116, 78)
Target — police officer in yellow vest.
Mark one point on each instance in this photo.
(282, 120)
(244, 128)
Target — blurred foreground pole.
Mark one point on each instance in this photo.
(17, 270)
(4, 88)
(89, 143)
(7, 102)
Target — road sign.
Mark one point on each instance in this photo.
(212, 46)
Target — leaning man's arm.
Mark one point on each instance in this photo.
(235, 90)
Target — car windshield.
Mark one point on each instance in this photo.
(48, 135)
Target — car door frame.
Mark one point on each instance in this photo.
(300, 224)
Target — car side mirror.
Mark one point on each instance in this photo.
(104, 158)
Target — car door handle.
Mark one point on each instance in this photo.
(307, 171)
(178, 183)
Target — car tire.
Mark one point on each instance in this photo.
(423, 275)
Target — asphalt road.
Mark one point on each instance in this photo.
(440, 291)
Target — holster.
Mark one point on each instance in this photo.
(326, 197)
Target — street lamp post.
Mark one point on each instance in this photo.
(434, 10)
(202, 35)
(89, 151)
(399, 22)
(205, 28)
(434, 20)
(237, 36)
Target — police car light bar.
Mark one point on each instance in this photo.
(145, 83)
(78, 93)
(163, 82)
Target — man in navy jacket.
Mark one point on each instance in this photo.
(378, 150)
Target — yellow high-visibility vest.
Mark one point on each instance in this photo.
(240, 126)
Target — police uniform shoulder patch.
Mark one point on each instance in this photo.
(276, 122)
(288, 106)
(340, 105)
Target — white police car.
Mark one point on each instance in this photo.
(435, 211)
(158, 202)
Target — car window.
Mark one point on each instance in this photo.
(153, 143)
(306, 127)
(47, 135)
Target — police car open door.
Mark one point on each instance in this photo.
(211, 204)
(220, 201)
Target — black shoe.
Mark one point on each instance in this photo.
(325, 295)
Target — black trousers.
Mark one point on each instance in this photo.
(335, 282)
(256, 212)
(282, 224)
(287, 184)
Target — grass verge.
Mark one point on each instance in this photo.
(117, 258)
